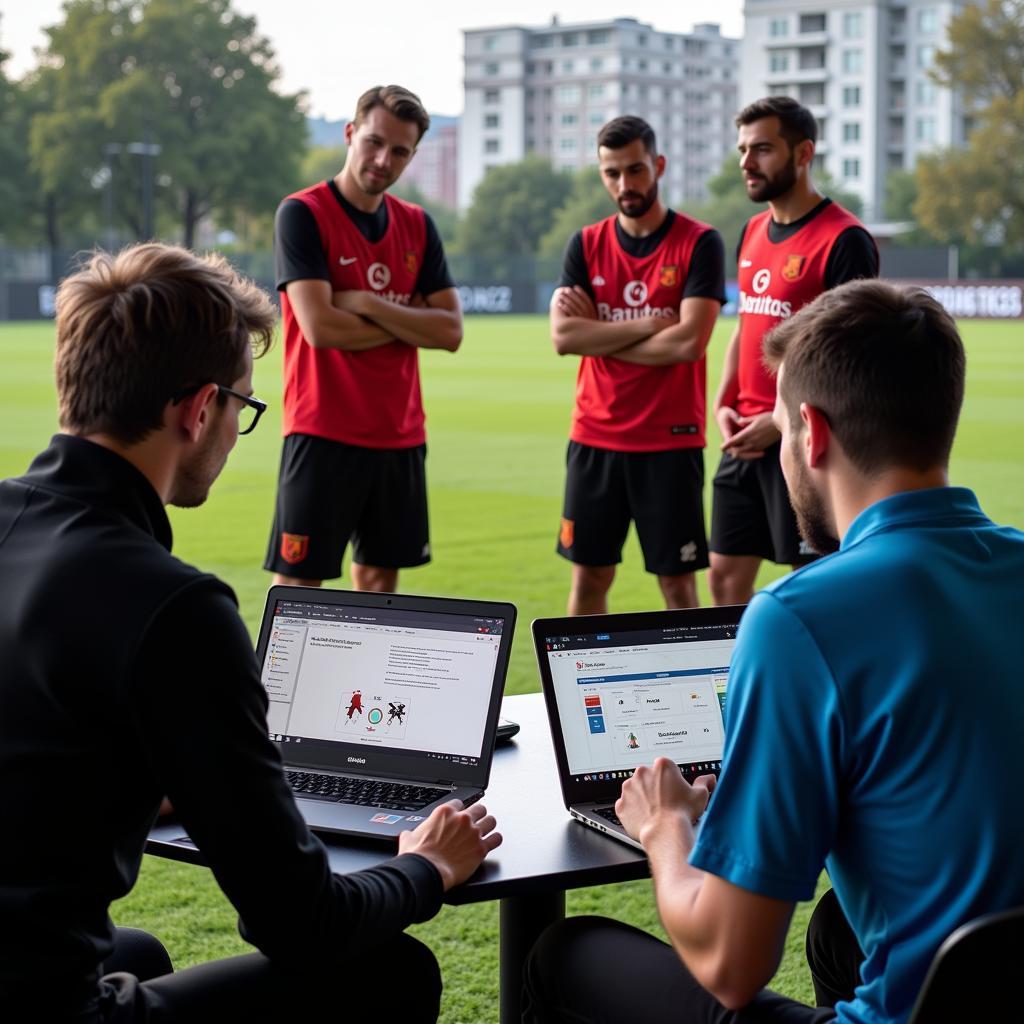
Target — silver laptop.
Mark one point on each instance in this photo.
(383, 705)
(621, 690)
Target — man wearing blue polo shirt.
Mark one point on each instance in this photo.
(870, 694)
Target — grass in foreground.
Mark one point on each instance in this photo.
(498, 414)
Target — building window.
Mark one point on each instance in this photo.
(777, 27)
(569, 120)
(568, 94)
(853, 25)
(570, 39)
(925, 56)
(595, 91)
(812, 58)
(924, 129)
(598, 37)
(567, 144)
(812, 23)
(596, 118)
(925, 92)
(491, 68)
(812, 94)
(666, 67)
(778, 61)
(491, 121)
(927, 21)
(567, 67)
(851, 95)
(853, 61)
(641, 40)
(491, 145)
(596, 63)
(851, 169)
(492, 95)
(642, 64)
(541, 42)
(490, 43)
(851, 131)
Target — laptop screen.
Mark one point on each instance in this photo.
(415, 683)
(625, 698)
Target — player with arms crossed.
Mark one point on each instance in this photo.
(364, 285)
(802, 245)
(638, 299)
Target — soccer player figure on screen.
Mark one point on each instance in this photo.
(639, 295)
(802, 245)
(364, 285)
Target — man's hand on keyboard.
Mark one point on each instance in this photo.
(454, 840)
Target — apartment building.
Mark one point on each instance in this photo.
(549, 89)
(863, 69)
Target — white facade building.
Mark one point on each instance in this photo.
(549, 90)
(862, 67)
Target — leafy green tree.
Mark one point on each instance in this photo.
(985, 61)
(512, 209)
(192, 76)
(588, 202)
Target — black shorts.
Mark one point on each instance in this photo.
(662, 492)
(751, 513)
(328, 492)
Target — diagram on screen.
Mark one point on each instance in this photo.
(380, 714)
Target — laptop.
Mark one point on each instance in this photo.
(383, 705)
(621, 690)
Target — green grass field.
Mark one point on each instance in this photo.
(498, 414)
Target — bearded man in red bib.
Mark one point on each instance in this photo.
(364, 286)
(801, 246)
(638, 299)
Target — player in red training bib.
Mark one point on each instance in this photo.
(365, 286)
(639, 295)
(802, 245)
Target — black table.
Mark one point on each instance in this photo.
(544, 853)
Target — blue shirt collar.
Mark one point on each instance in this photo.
(953, 505)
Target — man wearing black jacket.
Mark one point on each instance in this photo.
(128, 676)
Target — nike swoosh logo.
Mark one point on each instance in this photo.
(345, 262)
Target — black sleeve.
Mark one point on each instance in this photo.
(706, 279)
(205, 727)
(853, 255)
(574, 266)
(434, 275)
(298, 249)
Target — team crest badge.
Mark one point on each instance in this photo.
(294, 547)
(794, 267)
(669, 276)
(567, 534)
(411, 262)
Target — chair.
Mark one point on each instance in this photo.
(975, 975)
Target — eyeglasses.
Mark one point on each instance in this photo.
(252, 408)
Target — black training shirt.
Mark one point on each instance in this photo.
(127, 675)
(299, 251)
(853, 254)
(704, 280)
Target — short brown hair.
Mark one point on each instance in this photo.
(886, 366)
(402, 103)
(621, 131)
(796, 122)
(138, 327)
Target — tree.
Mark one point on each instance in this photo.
(319, 164)
(512, 209)
(587, 203)
(193, 77)
(985, 61)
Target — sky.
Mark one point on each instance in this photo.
(337, 50)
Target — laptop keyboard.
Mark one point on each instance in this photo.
(608, 813)
(394, 796)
